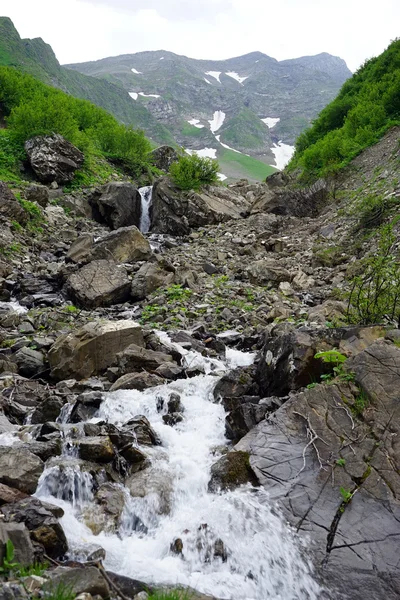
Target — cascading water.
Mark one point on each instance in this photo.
(233, 544)
(146, 194)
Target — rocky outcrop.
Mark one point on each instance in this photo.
(92, 348)
(176, 212)
(20, 469)
(116, 204)
(163, 157)
(99, 283)
(329, 457)
(125, 245)
(135, 358)
(150, 277)
(53, 158)
(10, 208)
(231, 471)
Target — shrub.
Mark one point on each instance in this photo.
(374, 295)
(192, 172)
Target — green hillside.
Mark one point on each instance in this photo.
(366, 106)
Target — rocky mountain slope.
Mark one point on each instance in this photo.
(250, 104)
(111, 421)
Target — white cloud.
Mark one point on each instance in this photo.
(80, 30)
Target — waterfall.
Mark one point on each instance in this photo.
(234, 544)
(146, 194)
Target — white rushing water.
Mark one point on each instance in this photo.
(265, 560)
(146, 194)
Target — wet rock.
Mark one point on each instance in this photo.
(105, 513)
(155, 483)
(37, 193)
(231, 471)
(116, 204)
(91, 349)
(45, 449)
(53, 158)
(137, 381)
(86, 406)
(19, 468)
(39, 517)
(175, 404)
(170, 371)
(149, 278)
(177, 546)
(135, 358)
(9, 495)
(243, 415)
(163, 157)
(97, 449)
(10, 208)
(99, 283)
(144, 433)
(48, 410)
(80, 580)
(5, 425)
(18, 534)
(172, 418)
(21, 397)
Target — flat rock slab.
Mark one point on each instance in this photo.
(99, 283)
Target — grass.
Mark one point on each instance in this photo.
(244, 166)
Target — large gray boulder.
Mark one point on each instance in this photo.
(277, 197)
(150, 277)
(330, 459)
(19, 468)
(91, 349)
(116, 204)
(135, 358)
(10, 208)
(176, 212)
(163, 157)
(53, 158)
(18, 534)
(78, 580)
(125, 245)
(99, 283)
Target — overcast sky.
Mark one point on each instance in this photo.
(82, 30)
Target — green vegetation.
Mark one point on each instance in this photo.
(61, 591)
(361, 403)
(346, 495)
(245, 130)
(32, 108)
(192, 172)
(11, 567)
(192, 131)
(244, 166)
(374, 295)
(341, 462)
(178, 594)
(367, 105)
(334, 357)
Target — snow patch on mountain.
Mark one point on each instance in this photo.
(283, 153)
(217, 120)
(136, 72)
(236, 76)
(196, 123)
(204, 152)
(214, 74)
(134, 95)
(270, 121)
(206, 80)
(162, 58)
(221, 176)
(149, 95)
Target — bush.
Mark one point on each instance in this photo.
(192, 172)
(374, 295)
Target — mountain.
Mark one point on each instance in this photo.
(37, 58)
(368, 104)
(252, 104)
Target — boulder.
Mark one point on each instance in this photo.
(231, 471)
(42, 521)
(104, 514)
(9, 495)
(91, 349)
(19, 468)
(277, 197)
(125, 245)
(10, 208)
(149, 278)
(99, 283)
(30, 362)
(154, 482)
(96, 449)
(176, 212)
(135, 358)
(37, 193)
(48, 410)
(137, 381)
(163, 157)
(53, 158)
(55, 216)
(329, 458)
(116, 204)
(86, 407)
(267, 271)
(18, 534)
(143, 431)
(80, 249)
(78, 580)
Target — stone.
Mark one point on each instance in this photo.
(9, 495)
(137, 381)
(124, 245)
(231, 471)
(55, 216)
(45, 449)
(80, 580)
(10, 208)
(143, 431)
(99, 283)
(53, 158)
(19, 468)
(37, 193)
(80, 249)
(106, 511)
(301, 281)
(155, 482)
(96, 449)
(86, 406)
(116, 204)
(163, 157)
(172, 419)
(5, 425)
(135, 358)
(30, 362)
(267, 271)
(149, 278)
(18, 534)
(39, 517)
(328, 311)
(91, 349)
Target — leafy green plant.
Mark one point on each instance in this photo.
(61, 591)
(192, 172)
(346, 495)
(374, 295)
(341, 462)
(9, 565)
(177, 594)
(331, 356)
(361, 402)
(35, 569)
(177, 292)
(336, 358)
